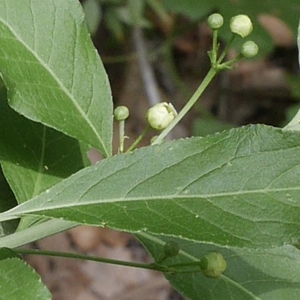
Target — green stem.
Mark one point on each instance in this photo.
(121, 136)
(153, 267)
(208, 78)
(225, 51)
(139, 139)
(215, 48)
(186, 264)
(228, 64)
(216, 66)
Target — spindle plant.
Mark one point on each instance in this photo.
(219, 214)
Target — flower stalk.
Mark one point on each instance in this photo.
(240, 25)
(139, 139)
(208, 78)
(163, 116)
(121, 113)
(188, 267)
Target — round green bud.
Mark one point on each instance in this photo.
(215, 21)
(171, 249)
(213, 264)
(121, 113)
(161, 115)
(249, 49)
(241, 25)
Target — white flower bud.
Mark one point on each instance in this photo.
(249, 49)
(161, 115)
(121, 113)
(215, 21)
(241, 25)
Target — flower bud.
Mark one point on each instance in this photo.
(241, 25)
(161, 115)
(121, 113)
(215, 21)
(171, 249)
(213, 264)
(249, 49)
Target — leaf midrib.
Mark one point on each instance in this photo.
(63, 88)
(139, 199)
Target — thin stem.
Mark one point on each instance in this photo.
(121, 135)
(225, 51)
(185, 271)
(208, 78)
(228, 64)
(92, 258)
(215, 48)
(216, 66)
(154, 266)
(185, 264)
(139, 139)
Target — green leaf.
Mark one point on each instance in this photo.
(7, 201)
(7, 197)
(6, 253)
(33, 157)
(251, 274)
(18, 280)
(34, 233)
(193, 8)
(52, 71)
(238, 188)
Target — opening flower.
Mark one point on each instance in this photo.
(241, 25)
(161, 115)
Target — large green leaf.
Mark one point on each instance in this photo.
(33, 157)
(18, 280)
(251, 274)
(238, 188)
(52, 71)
